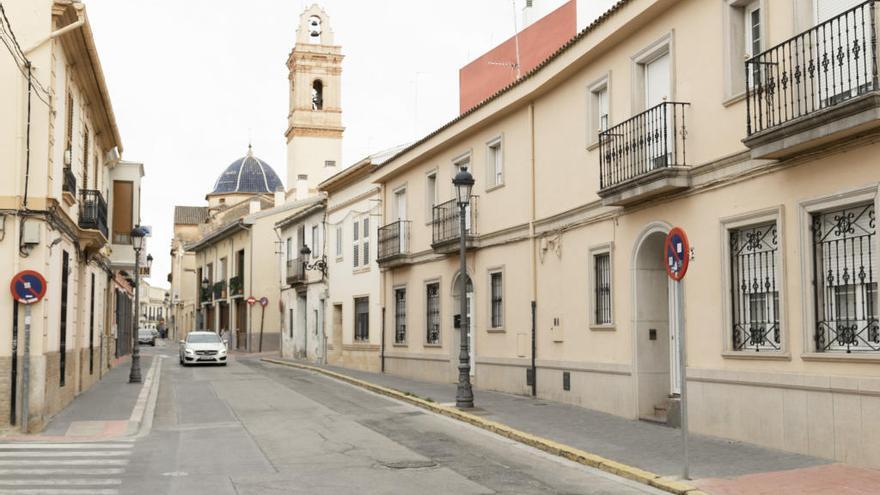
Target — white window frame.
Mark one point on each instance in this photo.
(316, 241)
(430, 194)
(465, 158)
(366, 254)
(806, 210)
(356, 244)
(494, 162)
(735, 27)
(727, 224)
(594, 110)
(596, 250)
(489, 324)
(406, 332)
(662, 46)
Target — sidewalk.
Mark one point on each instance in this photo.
(111, 409)
(718, 466)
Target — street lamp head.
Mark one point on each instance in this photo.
(149, 261)
(205, 283)
(137, 237)
(464, 183)
(305, 251)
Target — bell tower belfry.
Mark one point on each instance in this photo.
(314, 119)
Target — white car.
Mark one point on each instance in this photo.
(203, 348)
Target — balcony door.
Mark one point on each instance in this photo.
(400, 207)
(846, 40)
(657, 130)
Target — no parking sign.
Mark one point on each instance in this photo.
(676, 249)
(28, 287)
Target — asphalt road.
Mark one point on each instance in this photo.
(252, 428)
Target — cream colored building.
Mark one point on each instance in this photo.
(649, 119)
(184, 284)
(65, 210)
(353, 215)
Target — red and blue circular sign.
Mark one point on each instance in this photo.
(264, 301)
(675, 253)
(28, 287)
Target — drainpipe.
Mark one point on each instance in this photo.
(533, 252)
(70, 27)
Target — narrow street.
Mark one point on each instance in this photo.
(257, 428)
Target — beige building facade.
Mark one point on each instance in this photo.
(646, 120)
(59, 206)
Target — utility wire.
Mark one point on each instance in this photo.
(21, 61)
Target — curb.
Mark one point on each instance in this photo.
(549, 446)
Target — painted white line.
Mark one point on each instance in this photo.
(66, 462)
(61, 491)
(64, 482)
(53, 471)
(97, 453)
(50, 446)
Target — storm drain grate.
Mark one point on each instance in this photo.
(409, 464)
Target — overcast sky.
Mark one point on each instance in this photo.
(192, 81)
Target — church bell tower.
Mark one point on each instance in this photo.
(314, 130)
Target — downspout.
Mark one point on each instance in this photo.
(534, 247)
(381, 280)
(281, 274)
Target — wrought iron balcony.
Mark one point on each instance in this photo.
(644, 156)
(393, 242)
(220, 290)
(814, 88)
(446, 226)
(205, 295)
(69, 181)
(296, 271)
(93, 211)
(236, 286)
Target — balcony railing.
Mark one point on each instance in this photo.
(236, 286)
(220, 290)
(296, 271)
(93, 211)
(204, 295)
(393, 240)
(69, 184)
(650, 141)
(817, 69)
(446, 223)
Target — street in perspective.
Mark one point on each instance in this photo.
(394, 247)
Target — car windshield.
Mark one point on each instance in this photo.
(205, 338)
(146, 332)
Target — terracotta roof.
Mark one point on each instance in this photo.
(593, 25)
(190, 215)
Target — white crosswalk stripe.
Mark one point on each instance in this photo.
(62, 468)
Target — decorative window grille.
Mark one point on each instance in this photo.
(602, 288)
(497, 300)
(844, 255)
(361, 319)
(754, 259)
(433, 313)
(399, 316)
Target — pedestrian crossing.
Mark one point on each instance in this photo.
(63, 468)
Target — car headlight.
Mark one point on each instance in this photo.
(188, 351)
(221, 351)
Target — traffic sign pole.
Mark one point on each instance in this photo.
(27, 287)
(676, 252)
(26, 369)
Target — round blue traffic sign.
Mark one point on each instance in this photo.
(675, 251)
(28, 287)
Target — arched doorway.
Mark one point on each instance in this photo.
(656, 333)
(456, 311)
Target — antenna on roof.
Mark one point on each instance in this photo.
(514, 65)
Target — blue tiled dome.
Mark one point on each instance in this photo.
(248, 174)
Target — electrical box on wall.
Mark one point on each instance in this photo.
(556, 331)
(31, 233)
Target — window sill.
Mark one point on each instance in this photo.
(593, 145)
(732, 100)
(494, 187)
(360, 270)
(757, 356)
(611, 327)
(339, 259)
(400, 344)
(437, 346)
(495, 330)
(841, 357)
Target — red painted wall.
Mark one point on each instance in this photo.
(480, 79)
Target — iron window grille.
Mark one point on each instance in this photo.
(602, 288)
(754, 256)
(361, 319)
(819, 68)
(497, 300)
(433, 316)
(399, 316)
(844, 255)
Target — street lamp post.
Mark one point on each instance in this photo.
(137, 241)
(464, 395)
(202, 312)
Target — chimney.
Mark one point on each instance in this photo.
(302, 187)
(254, 205)
(279, 195)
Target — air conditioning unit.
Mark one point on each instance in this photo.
(67, 158)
